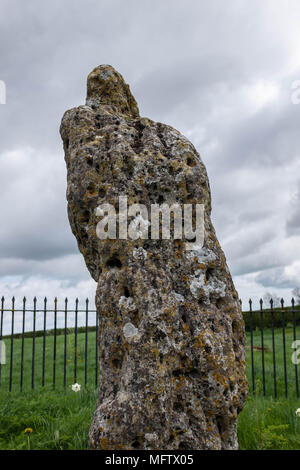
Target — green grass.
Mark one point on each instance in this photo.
(266, 424)
(60, 418)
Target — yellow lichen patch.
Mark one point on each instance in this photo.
(168, 311)
(92, 191)
(160, 156)
(221, 379)
(155, 352)
(104, 443)
(176, 164)
(179, 381)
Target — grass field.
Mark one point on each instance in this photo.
(50, 370)
(268, 362)
(60, 418)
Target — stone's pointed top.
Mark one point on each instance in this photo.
(106, 87)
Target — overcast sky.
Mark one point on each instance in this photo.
(220, 72)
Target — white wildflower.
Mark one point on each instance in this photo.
(76, 387)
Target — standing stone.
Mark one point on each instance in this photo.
(171, 333)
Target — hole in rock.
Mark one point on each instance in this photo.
(159, 336)
(178, 407)
(194, 373)
(91, 187)
(190, 161)
(126, 292)
(114, 262)
(135, 444)
(85, 217)
(219, 424)
(183, 445)
(179, 431)
(119, 339)
(83, 236)
(177, 372)
(117, 363)
(209, 273)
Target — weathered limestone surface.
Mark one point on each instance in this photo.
(171, 334)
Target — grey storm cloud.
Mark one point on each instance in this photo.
(275, 278)
(221, 74)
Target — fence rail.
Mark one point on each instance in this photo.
(270, 331)
(23, 358)
(58, 346)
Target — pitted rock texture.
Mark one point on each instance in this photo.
(171, 333)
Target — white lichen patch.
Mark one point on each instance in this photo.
(178, 297)
(86, 107)
(151, 437)
(129, 330)
(105, 74)
(122, 397)
(139, 253)
(127, 303)
(154, 313)
(90, 102)
(200, 286)
(197, 283)
(203, 255)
